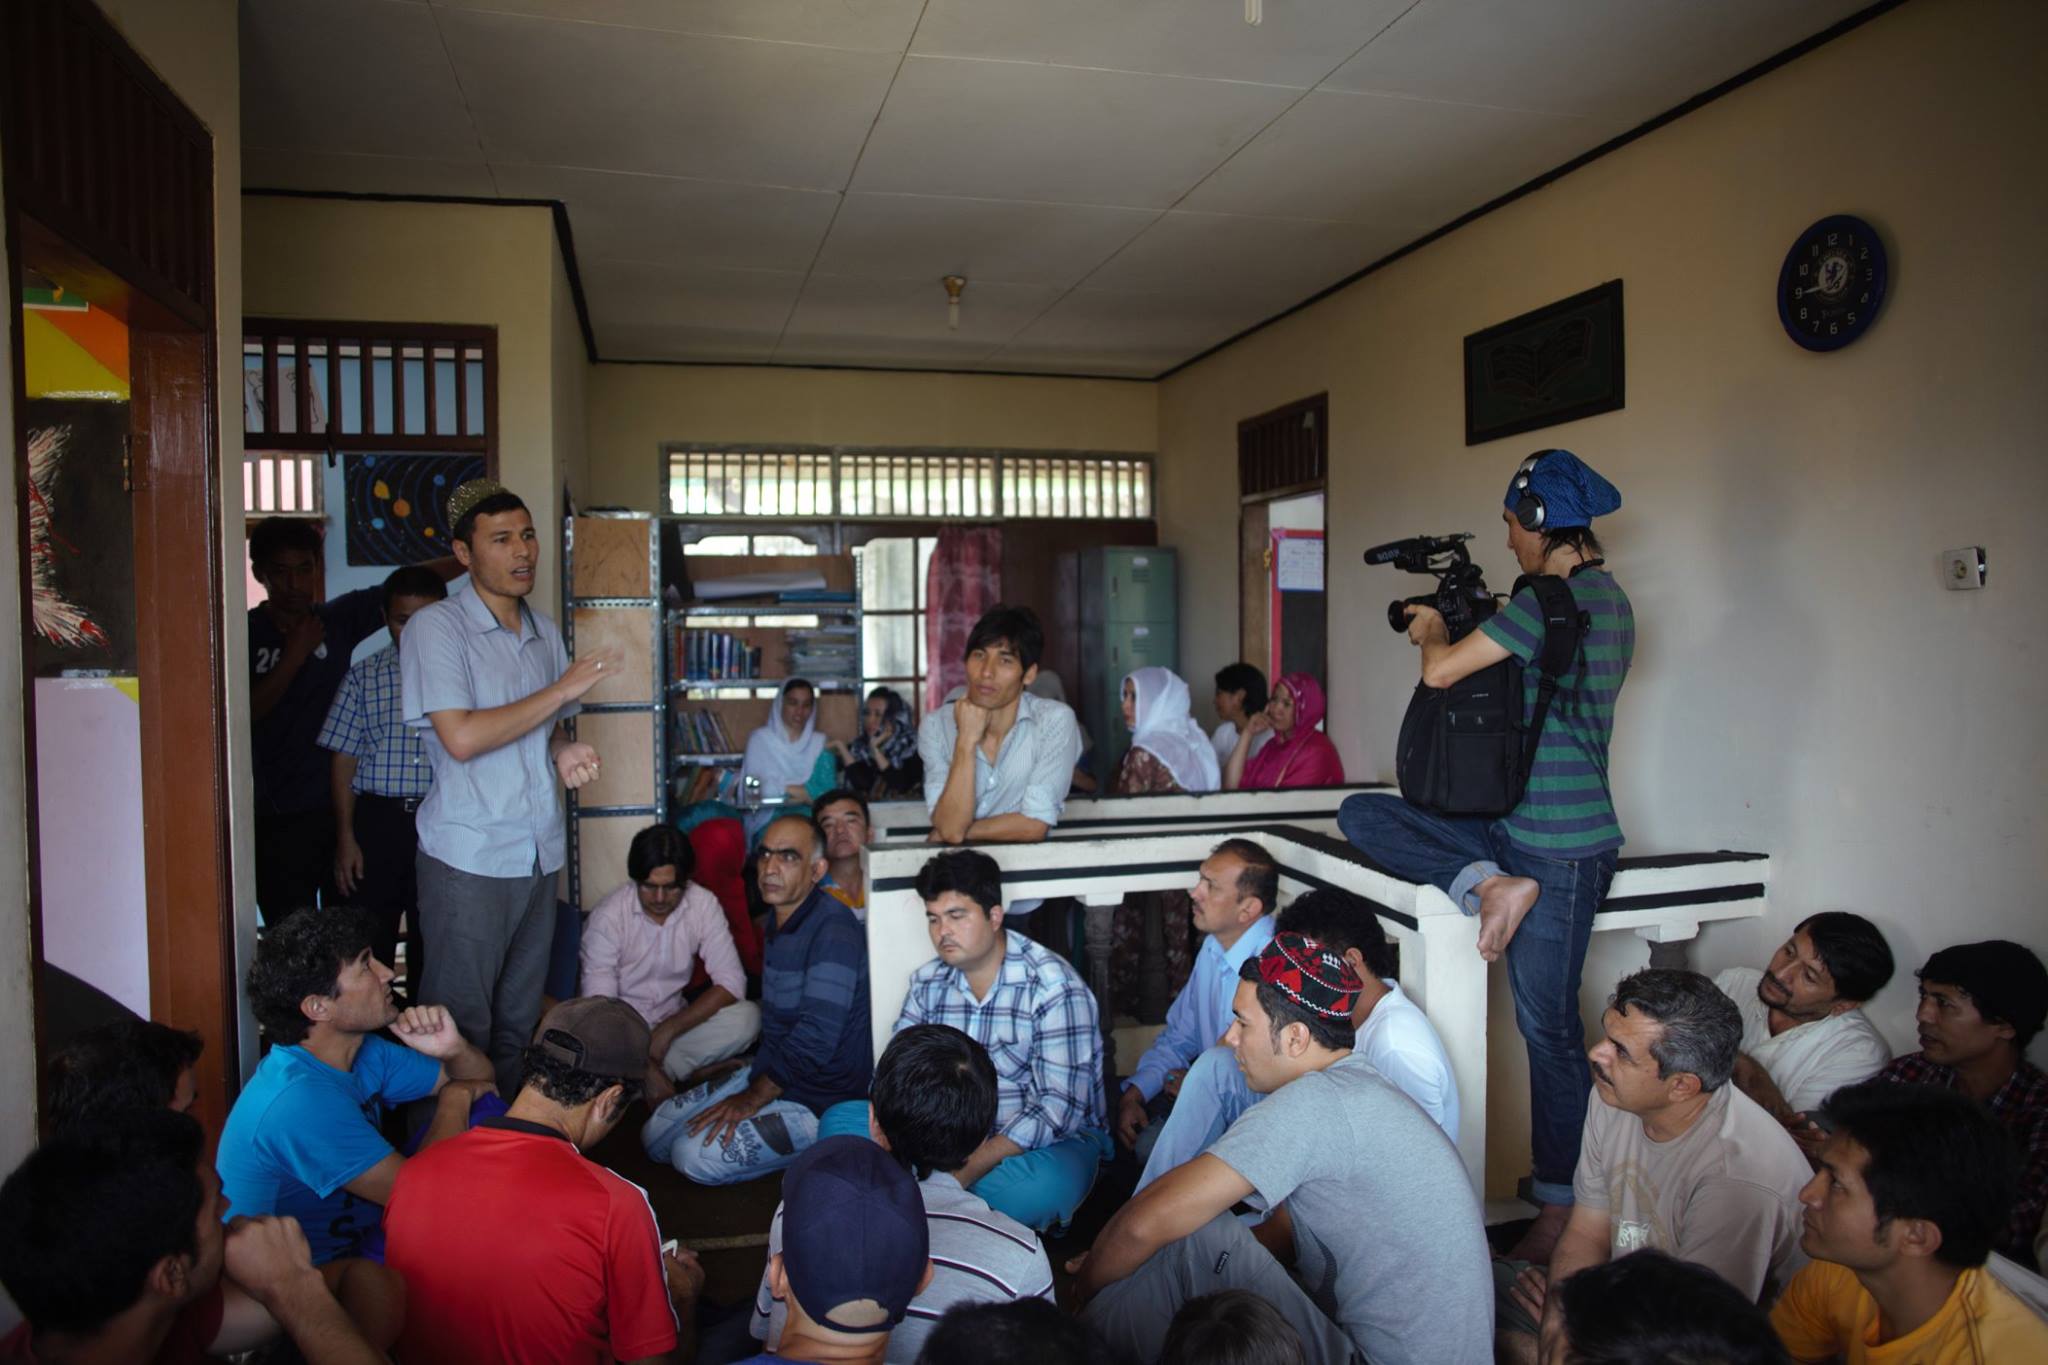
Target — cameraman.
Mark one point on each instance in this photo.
(1535, 876)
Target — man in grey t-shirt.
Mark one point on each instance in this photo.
(1368, 1199)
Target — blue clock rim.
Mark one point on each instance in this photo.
(1834, 222)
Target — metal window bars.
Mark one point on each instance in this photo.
(890, 485)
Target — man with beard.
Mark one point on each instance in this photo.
(1804, 1032)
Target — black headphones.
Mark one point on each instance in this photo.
(1528, 509)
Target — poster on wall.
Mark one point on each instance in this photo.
(397, 505)
(81, 537)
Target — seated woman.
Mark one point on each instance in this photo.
(789, 756)
(1169, 753)
(882, 762)
(1299, 755)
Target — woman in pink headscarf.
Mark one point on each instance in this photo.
(1299, 755)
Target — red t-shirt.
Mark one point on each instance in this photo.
(192, 1331)
(515, 1248)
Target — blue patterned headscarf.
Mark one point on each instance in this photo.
(1572, 492)
(901, 745)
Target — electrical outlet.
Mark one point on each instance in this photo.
(1964, 569)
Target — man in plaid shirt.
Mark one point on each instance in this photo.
(380, 774)
(1980, 1005)
(1037, 1019)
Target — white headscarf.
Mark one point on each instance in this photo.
(1167, 732)
(774, 757)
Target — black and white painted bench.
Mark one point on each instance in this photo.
(1658, 899)
(1093, 817)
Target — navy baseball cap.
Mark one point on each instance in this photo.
(854, 1241)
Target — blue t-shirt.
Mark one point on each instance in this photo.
(302, 1130)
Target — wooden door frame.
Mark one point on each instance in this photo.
(155, 273)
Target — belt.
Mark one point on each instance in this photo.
(408, 804)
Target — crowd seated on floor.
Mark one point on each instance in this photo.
(1751, 1176)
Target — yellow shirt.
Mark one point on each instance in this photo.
(1825, 1313)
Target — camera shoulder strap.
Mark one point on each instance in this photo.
(1564, 629)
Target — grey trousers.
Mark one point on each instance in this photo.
(1134, 1314)
(491, 938)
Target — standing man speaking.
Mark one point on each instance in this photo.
(487, 679)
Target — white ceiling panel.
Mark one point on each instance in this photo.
(682, 341)
(1116, 331)
(869, 25)
(1003, 130)
(837, 308)
(1404, 164)
(366, 76)
(908, 236)
(681, 222)
(1299, 43)
(275, 168)
(568, 94)
(1629, 58)
(1297, 256)
(637, 294)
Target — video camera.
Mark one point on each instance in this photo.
(1461, 593)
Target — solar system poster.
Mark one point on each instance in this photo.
(398, 504)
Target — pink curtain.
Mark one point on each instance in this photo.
(963, 580)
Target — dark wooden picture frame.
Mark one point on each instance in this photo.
(1558, 363)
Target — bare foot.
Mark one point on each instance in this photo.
(1502, 903)
(1541, 1238)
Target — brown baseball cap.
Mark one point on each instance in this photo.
(598, 1034)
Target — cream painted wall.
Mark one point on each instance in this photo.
(1802, 682)
(635, 408)
(438, 263)
(17, 999)
(570, 366)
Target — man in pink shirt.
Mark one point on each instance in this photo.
(644, 942)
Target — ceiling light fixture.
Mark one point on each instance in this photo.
(1254, 12)
(954, 284)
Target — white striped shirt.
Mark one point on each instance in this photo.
(978, 1256)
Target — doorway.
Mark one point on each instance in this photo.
(1283, 609)
(109, 226)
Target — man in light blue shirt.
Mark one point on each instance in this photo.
(998, 762)
(1233, 896)
(488, 682)
(1390, 1032)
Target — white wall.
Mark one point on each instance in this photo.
(1802, 682)
(17, 1000)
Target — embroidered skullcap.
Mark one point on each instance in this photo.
(468, 495)
(1309, 974)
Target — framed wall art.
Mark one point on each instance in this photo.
(1556, 364)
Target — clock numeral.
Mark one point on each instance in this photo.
(1802, 270)
(1833, 237)
(1802, 315)
(1833, 328)
(1816, 325)
(1813, 250)
(1865, 298)
(1864, 254)
(1851, 319)
(1798, 292)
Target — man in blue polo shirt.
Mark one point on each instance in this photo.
(816, 1048)
(302, 1139)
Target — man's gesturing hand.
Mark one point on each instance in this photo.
(588, 670)
(577, 765)
(429, 1029)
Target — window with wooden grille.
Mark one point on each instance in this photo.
(282, 485)
(850, 483)
(382, 387)
(1285, 450)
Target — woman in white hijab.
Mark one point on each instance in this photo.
(1169, 752)
(787, 752)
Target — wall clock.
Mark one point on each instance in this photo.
(1832, 283)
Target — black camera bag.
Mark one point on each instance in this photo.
(1464, 749)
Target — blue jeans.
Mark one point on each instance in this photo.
(1455, 853)
(1040, 1188)
(767, 1142)
(1212, 1095)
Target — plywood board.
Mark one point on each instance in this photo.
(837, 570)
(610, 557)
(630, 631)
(624, 741)
(601, 843)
